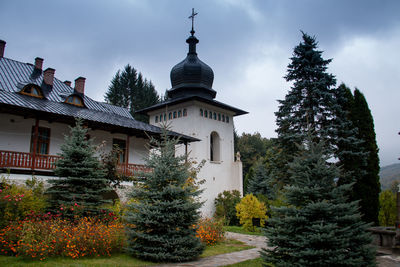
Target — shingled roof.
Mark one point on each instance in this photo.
(14, 75)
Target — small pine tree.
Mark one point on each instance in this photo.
(166, 208)
(318, 227)
(81, 179)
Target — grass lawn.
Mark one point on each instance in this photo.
(115, 260)
(227, 246)
(249, 263)
(241, 230)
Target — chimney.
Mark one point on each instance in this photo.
(48, 76)
(68, 83)
(38, 63)
(80, 85)
(2, 47)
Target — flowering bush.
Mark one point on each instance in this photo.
(210, 231)
(54, 236)
(248, 208)
(17, 201)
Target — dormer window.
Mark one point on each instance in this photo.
(32, 90)
(74, 100)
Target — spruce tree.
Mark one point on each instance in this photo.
(318, 227)
(81, 180)
(310, 103)
(130, 90)
(165, 208)
(367, 187)
(261, 182)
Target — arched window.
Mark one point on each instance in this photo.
(215, 116)
(227, 119)
(160, 117)
(174, 114)
(214, 147)
(201, 112)
(223, 118)
(205, 113)
(184, 112)
(32, 90)
(170, 116)
(179, 113)
(156, 119)
(165, 116)
(210, 114)
(219, 116)
(74, 100)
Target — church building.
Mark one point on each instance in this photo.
(36, 109)
(191, 109)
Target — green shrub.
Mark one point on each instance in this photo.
(18, 201)
(387, 211)
(248, 208)
(225, 204)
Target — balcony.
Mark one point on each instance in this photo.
(38, 162)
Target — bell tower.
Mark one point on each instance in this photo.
(191, 109)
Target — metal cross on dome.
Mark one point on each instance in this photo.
(192, 17)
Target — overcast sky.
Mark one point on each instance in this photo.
(247, 44)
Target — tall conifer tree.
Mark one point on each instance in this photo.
(81, 179)
(349, 147)
(309, 105)
(165, 209)
(318, 226)
(130, 90)
(367, 188)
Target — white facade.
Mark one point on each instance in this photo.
(15, 135)
(221, 171)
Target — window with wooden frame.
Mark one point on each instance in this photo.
(43, 140)
(74, 100)
(122, 146)
(32, 90)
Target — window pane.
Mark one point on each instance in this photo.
(122, 146)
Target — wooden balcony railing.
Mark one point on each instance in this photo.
(132, 169)
(13, 159)
(24, 160)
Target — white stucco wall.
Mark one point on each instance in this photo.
(15, 135)
(221, 175)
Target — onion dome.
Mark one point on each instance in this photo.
(192, 76)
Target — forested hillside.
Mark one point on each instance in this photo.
(389, 174)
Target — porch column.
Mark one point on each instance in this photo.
(186, 152)
(35, 140)
(127, 150)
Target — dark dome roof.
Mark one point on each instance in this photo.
(192, 76)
